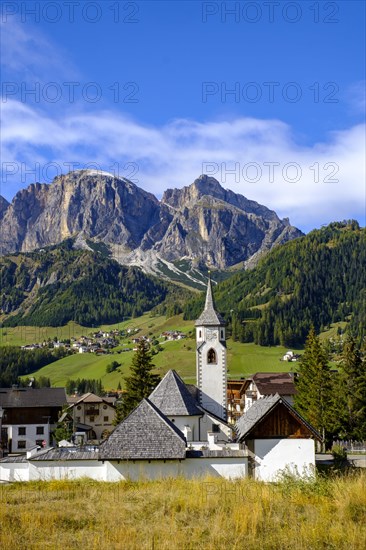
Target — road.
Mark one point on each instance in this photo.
(358, 460)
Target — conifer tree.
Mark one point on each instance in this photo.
(313, 398)
(352, 392)
(142, 380)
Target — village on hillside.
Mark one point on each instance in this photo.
(227, 428)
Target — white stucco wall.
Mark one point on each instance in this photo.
(68, 469)
(191, 421)
(14, 471)
(228, 468)
(272, 456)
(206, 425)
(212, 378)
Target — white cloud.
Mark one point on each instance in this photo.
(175, 154)
(29, 57)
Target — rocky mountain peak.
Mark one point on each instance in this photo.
(204, 185)
(202, 222)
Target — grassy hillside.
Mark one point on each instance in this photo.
(178, 514)
(243, 359)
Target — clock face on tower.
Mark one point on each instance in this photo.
(211, 334)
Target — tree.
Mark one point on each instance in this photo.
(313, 398)
(352, 392)
(142, 381)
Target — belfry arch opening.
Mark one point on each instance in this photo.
(211, 357)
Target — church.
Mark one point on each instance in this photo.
(182, 430)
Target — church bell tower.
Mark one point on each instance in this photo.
(211, 358)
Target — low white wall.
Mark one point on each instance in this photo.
(14, 471)
(70, 469)
(273, 456)
(228, 468)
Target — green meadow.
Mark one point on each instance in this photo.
(243, 359)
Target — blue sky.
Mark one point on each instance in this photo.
(268, 97)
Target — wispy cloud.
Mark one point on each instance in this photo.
(28, 55)
(258, 158)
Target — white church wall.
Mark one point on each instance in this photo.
(273, 456)
(207, 424)
(212, 378)
(182, 421)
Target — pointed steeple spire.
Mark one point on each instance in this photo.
(210, 316)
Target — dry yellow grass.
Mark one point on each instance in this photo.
(179, 514)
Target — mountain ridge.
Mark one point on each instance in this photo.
(203, 222)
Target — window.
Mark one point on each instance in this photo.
(215, 428)
(77, 419)
(91, 418)
(106, 418)
(222, 335)
(39, 442)
(21, 431)
(40, 430)
(200, 334)
(21, 444)
(211, 357)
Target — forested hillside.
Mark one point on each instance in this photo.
(59, 284)
(317, 279)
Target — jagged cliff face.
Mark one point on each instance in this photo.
(202, 222)
(219, 226)
(3, 206)
(99, 206)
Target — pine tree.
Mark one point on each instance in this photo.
(142, 381)
(313, 398)
(352, 392)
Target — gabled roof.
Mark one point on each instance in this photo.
(260, 410)
(209, 316)
(11, 398)
(269, 383)
(145, 434)
(173, 398)
(90, 398)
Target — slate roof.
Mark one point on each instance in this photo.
(210, 316)
(259, 410)
(269, 383)
(66, 453)
(216, 453)
(11, 398)
(145, 434)
(173, 398)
